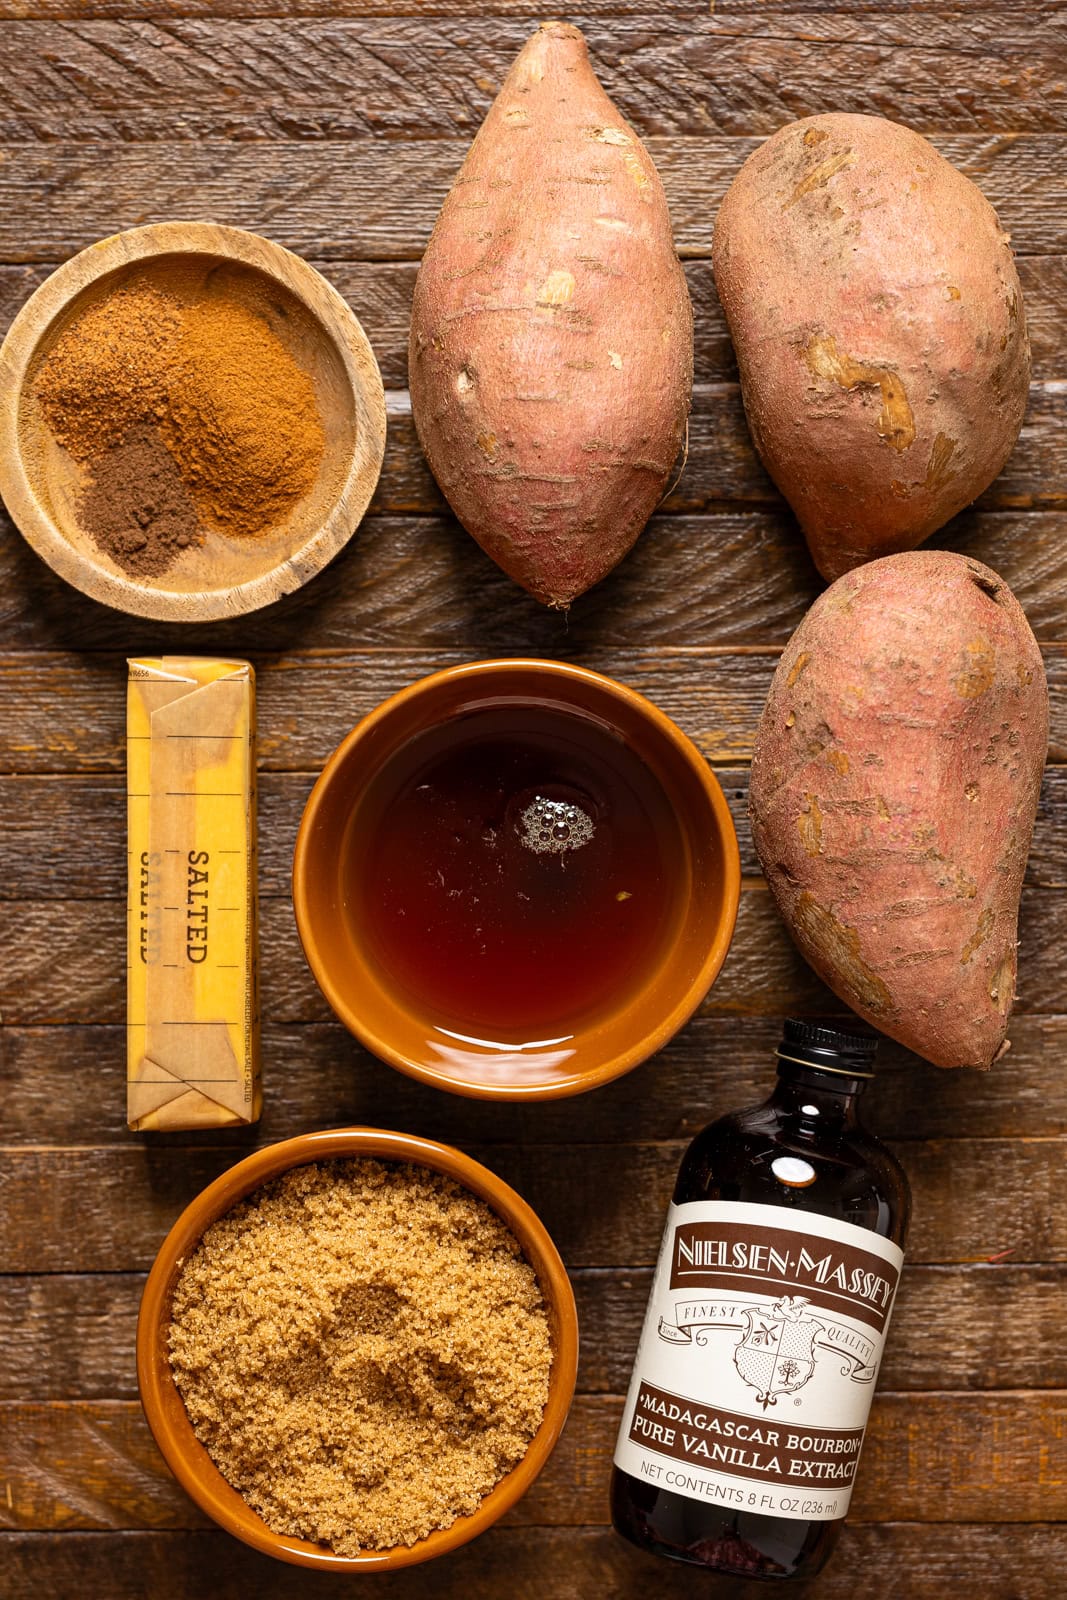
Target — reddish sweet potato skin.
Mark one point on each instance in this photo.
(878, 321)
(551, 356)
(895, 779)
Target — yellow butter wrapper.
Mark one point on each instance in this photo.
(192, 1021)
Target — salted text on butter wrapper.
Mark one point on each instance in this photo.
(192, 1011)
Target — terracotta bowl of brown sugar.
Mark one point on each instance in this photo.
(192, 421)
(166, 1412)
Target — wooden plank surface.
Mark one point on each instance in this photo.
(84, 861)
(900, 1561)
(318, 198)
(106, 1210)
(762, 970)
(68, 709)
(988, 1457)
(320, 1077)
(936, 14)
(380, 292)
(204, 78)
(335, 127)
(723, 471)
(741, 577)
(70, 1336)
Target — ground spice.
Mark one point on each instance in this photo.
(232, 406)
(363, 1350)
(242, 418)
(110, 369)
(137, 507)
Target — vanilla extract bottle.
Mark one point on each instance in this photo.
(765, 1326)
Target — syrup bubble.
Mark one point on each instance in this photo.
(553, 827)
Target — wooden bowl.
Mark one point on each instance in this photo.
(166, 1415)
(643, 1012)
(225, 576)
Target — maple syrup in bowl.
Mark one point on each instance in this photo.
(516, 879)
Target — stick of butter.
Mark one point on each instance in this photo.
(192, 1000)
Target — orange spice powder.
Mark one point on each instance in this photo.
(242, 419)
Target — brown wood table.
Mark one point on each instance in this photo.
(335, 127)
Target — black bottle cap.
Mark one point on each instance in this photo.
(811, 1045)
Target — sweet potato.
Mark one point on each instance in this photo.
(878, 322)
(551, 358)
(895, 780)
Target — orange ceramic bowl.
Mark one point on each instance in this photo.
(644, 1014)
(186, 1456)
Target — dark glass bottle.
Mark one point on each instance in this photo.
(738, 1453)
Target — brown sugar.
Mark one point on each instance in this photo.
(363, 1350)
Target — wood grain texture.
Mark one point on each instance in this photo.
(336, 127)
(763, 974)
(722, 469)
(971, 1301)
(68, 709)
(734, 577)
(913, 1561)
(379, 292)
(106, 1209)
(65, 836)
(202, 78)
(330, 201)
(984, 1457)
(71, 1337)
(927, 13)
(66, 1085)
(723, 562)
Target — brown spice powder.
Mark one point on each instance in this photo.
(242, 419)
(231, 404)
(109, 369)
(363, 1350)
(137, 507)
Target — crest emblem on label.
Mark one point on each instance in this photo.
(776, 1354)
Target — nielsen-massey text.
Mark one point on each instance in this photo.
(766, 1261)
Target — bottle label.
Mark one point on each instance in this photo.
(758, 1359)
